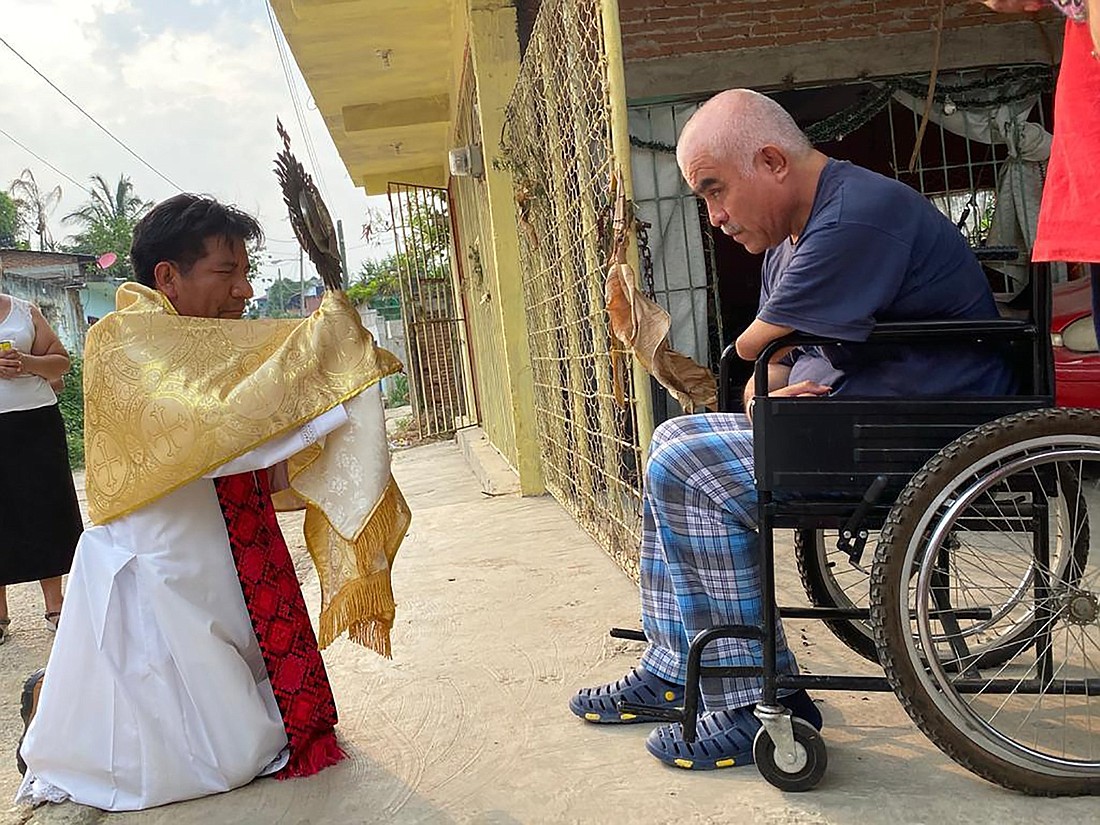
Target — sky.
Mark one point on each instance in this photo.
(193, 87)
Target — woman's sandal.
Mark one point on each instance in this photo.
(52, 618)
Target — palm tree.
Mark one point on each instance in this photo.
(106, 221)
(24, 190)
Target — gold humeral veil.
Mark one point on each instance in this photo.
(170, 398)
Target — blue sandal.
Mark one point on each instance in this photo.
(601, 704)
(723, 738)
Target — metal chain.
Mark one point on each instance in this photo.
(641, 228)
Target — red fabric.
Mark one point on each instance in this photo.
(1071, 193)
(278, 612)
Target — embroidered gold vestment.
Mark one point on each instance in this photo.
(170, 398)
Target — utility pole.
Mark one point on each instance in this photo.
(301, 285)
(343, 252)
(278, 279)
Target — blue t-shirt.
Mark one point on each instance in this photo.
(876, 250)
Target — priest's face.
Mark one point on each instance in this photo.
(215, 286)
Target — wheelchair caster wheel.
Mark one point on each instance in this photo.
(806, 766)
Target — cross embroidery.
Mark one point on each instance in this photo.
(159, 416)
(111, 460)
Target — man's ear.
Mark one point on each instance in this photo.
(775, 161)
(165, 276)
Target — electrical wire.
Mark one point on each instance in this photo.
(30, 151)
(80, 109)
(288, 74)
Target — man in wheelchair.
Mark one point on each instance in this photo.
(845, 248)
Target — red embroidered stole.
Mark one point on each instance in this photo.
(275, 604)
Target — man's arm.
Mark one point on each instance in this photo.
(1092, 14)
(759, 334)
(777, 377)
(48, 357)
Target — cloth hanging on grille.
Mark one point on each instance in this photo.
(643, 326)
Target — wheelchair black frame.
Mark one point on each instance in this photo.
(867, 471)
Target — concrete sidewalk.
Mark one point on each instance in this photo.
(503, 610)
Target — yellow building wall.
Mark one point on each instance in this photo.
(477, 264)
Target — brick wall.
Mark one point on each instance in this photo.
(27, 259)
(663, 28)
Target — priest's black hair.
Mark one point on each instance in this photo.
(177, 229)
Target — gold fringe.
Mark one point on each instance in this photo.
(363, 605)
(365, 608)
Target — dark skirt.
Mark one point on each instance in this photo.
(39, 516)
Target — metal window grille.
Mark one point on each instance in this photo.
(433, 318)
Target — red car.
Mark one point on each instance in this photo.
(1076, 355)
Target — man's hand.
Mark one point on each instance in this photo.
(1014, 6)
(777, 375)
(800, 389)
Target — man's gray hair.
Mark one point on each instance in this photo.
(736, 124)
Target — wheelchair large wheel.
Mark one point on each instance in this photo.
(830, 580)
(987, 549)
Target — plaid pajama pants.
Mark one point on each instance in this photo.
(699, 555)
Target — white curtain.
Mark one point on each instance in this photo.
(1020, 187)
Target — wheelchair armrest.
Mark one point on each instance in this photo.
(915, 332)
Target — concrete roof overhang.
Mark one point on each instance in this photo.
(381, 73)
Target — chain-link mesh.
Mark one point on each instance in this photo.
(558, 144)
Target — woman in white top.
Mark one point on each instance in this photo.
(39, 516)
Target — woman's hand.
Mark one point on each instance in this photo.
(11, 363)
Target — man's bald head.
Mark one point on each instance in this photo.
(734, 125)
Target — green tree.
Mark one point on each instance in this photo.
(11, 221)
(36, 205)
(284, 296)
(378, 283)
(106, 222)
(71, 403)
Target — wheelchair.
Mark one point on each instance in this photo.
(980, 599)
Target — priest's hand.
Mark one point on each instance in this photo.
(278, 477)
